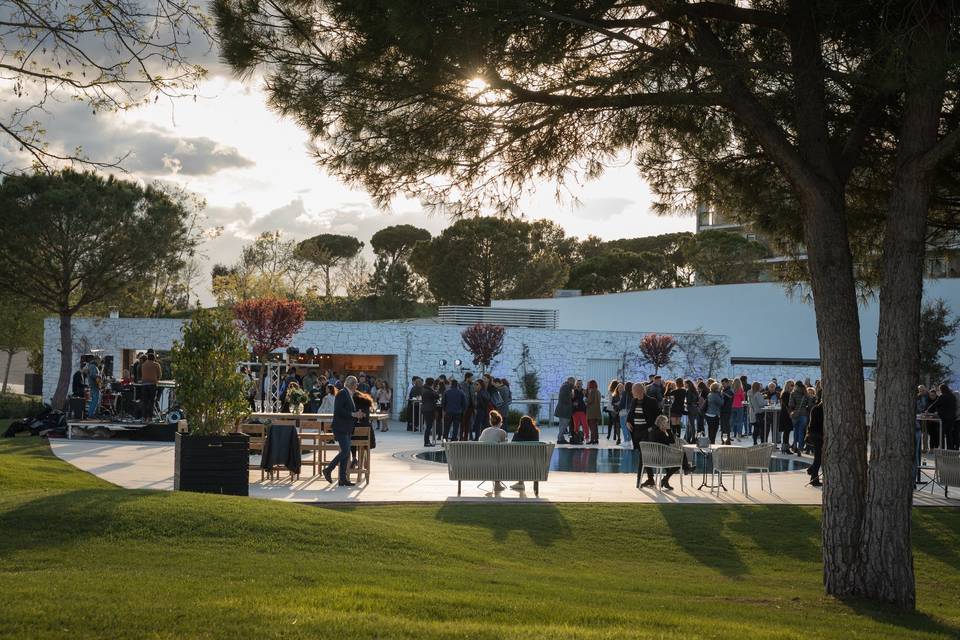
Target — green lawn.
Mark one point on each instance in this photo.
(82, 559)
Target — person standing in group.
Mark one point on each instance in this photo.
(755, 404)
(327, 402)
(91, 375)
(614, 389)
(799, 405)
(579, 416)
(738, 409)
(384, 398)
(815, 439)
(482, 405)
(505, 399)
(345, 415)
(150, 373)
(470, 407)
(694, 410)
(453, 404)
(416, 388)
(626, 408)
(441, 388)
(786, 422)
(945, 406)
(364, 403)
(428, 405)
(712, 411)
(564, 409)
(594, 412)
(677, 395)
(726, 410)
(644, 411)
(135, 369)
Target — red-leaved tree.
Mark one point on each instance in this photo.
(657, 350)
(484, 341)
(269, 323)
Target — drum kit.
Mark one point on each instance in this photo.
(121, 403)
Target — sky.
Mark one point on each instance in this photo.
(253, 169)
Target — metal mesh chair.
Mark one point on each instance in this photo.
(732, 460)
(946, 464)
(758, 458)
(659, 457)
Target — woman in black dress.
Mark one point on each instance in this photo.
(364, 402)
(786, 422)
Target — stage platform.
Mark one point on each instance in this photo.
(155, 431)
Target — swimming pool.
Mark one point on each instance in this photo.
(593, 460)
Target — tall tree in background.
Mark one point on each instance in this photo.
(70, 240)
(328, 251)
(721, 257)
(478, 259)
(21, 329)
(111, 55)
(485, 342)
(818, 110)
(938, 329)
(657, 350)
(394, 283)
(270, 266)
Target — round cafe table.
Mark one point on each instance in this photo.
(706, 480)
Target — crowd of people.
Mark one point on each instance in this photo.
(696, 411)
(449, 409)
(320, 389)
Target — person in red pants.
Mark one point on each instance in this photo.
(579, 411)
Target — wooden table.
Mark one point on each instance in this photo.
(298, 418)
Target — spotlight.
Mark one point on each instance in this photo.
(443, 362)
(458, 363)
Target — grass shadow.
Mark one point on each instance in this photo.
(936, 532)
(913, 621)
(701, 531)
(542, 523)
(788, 531)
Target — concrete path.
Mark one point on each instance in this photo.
(397, 476)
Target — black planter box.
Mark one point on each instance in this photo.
(212, 464)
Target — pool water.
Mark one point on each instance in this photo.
(592, 460)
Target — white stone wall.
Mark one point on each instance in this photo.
(417, 348)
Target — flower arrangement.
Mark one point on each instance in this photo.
(296, 398)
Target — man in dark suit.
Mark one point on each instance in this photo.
(344, 417)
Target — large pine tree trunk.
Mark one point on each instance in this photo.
(838, 328)
(887, 557)
(66, 360)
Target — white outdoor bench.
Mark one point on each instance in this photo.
(506, 462)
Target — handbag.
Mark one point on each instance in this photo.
(703, 442)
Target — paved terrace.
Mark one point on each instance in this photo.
(397, 476)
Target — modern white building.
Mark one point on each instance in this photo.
(768, 334)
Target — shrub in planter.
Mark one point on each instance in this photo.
(212, 393)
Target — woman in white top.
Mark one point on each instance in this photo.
(326, 404)
(384, 397)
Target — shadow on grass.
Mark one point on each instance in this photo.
(783, 531)
(914, 621)
(937, 534)
(543, 523)
(701, 532)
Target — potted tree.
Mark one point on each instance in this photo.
(209, 458)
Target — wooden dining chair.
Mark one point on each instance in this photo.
(361, 440)
(257, 433)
